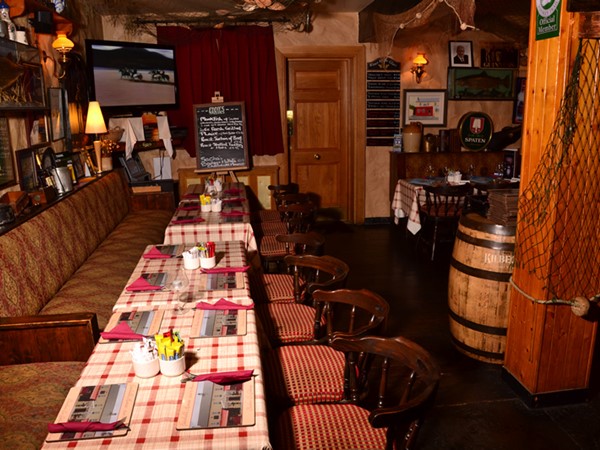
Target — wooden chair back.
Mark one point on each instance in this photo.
(445, 201)
(312, 273)
(349, 313)
(395, 379)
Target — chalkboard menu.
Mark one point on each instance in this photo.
(383, 101)
(221, 137)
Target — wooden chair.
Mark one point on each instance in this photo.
(298, 218)
(279, 287)
(440, 213)
(272, 215)
(300, 321)
(303, 374)
(391, 384)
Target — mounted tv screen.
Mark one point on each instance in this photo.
(127, 76)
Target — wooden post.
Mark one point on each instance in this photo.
(549, 350)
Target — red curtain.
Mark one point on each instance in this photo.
(238, 62)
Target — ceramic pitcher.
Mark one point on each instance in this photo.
(411, 137)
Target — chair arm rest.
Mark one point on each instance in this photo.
(43, 338)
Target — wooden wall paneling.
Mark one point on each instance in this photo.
(548, 350)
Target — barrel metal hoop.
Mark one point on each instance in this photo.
(480, 273)
(486, 243)
(489, 355)
(487, 227)
(498, 331)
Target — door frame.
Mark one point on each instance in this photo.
(355, 55)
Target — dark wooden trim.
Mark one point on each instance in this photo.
(43, 338)
(546, 399)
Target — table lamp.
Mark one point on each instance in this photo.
(94, 124)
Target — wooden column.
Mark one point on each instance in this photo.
(549, 350)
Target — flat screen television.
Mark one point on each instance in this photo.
(132, 77)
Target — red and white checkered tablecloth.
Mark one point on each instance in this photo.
(158, 400)
(229, 254)
(405, 203)
(216, 226)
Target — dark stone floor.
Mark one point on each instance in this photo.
(475, 408)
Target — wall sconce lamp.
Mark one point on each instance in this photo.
(94, 124)
(417, 68)
(62, 45)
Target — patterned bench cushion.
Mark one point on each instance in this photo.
(97, 284)
(30, 397)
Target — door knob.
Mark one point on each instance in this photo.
(317, 156)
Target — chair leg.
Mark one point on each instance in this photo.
(433, 241)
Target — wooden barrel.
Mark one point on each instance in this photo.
(478, 287)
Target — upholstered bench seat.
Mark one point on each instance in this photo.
(30, 397)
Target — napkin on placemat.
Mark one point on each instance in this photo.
(239, 376)
(232, 191)
(222, 304)
(233, 200)
(141, 284)
(234, 213)
(121, 331)
(192, 220)
(81, 427)
(189, 196)
(155, 253)
(189, 208)
(226, 269)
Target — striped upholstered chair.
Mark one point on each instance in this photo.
(279, 287)
(277, 191)
(300, 321)
(303, 374)
(391, 385)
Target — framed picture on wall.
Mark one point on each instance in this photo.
(427, 106)
(26, 166)
(460, 53)
(481, 84)
(57, 116)
(519, 100)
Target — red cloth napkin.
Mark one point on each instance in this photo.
(141, 284)
(192, 220)
(226, 269)
(234, 213)
(189, 208)
(190, 196)
(232, 191)
(155, 253)
(121, 331)
(81, 427)
(222, 304)
(239, 376)
(232, 200)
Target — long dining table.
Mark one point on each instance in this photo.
(155, 416)
(191, 224)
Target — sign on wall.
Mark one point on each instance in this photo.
(383, 101)
(547, 19)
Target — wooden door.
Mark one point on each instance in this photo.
(318, 94)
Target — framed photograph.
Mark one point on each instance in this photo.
(519, 100)
(57, 115)
(481, 84)
(499, 55)
(427, 106)
(7, 168)
(26, 166)
(460, 53)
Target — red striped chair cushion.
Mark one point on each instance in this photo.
(271, 228)
(287, 322)
(305, 374)
(274, 287)
(269, 246)
(267, 215)
(327, 427)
